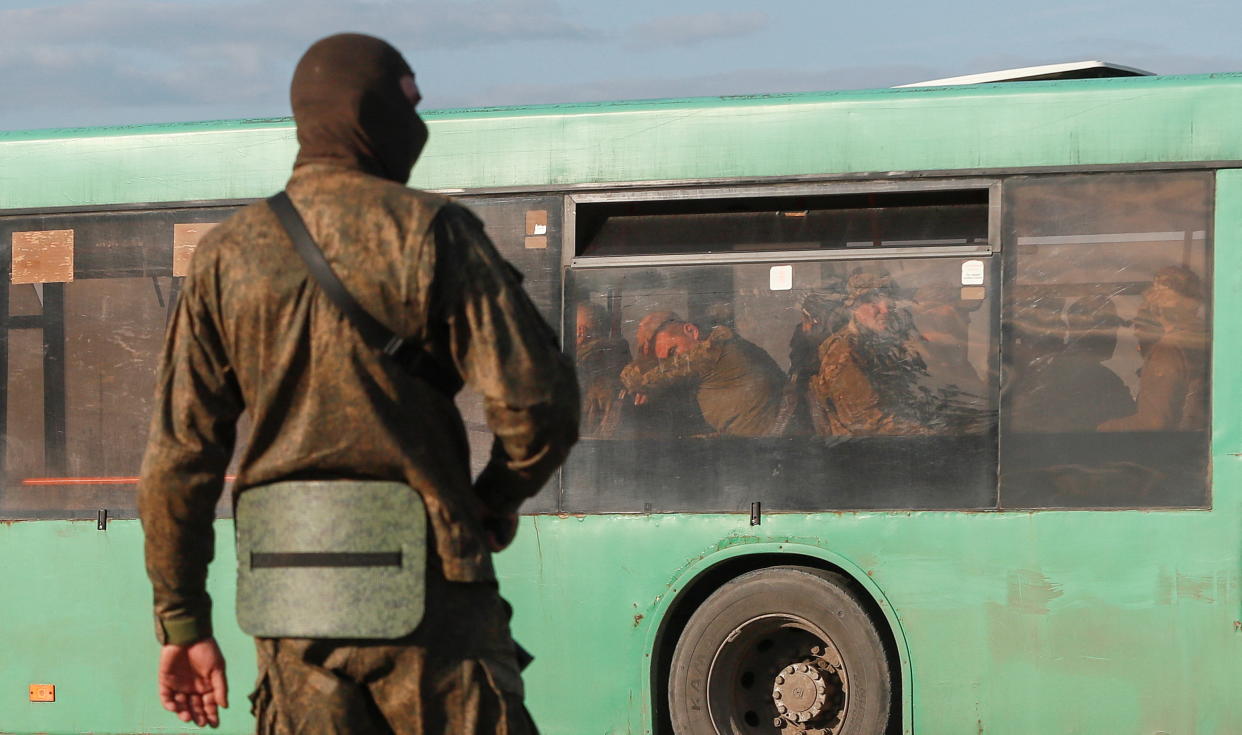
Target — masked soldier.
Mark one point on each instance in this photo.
(738, 386)
(328, 411)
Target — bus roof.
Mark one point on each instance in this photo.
(1150, 119)
(1046, 72)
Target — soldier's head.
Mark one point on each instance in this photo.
(823, 313)
(1175, 294)
(590, 322)
(872, 300)
(354, 99)
(663, 334)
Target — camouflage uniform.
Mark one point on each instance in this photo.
(859, 390)
(1173, 391)
(739, 386)
(252, 331)
(600, 361)
(849, 401)
(1172, 394)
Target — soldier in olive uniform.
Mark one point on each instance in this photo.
(600, 358)
(253, 331)
(868, 373)
(738, 386)
(1172, 394)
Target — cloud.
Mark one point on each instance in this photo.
(689, 30)
(158, 54)
(738, 82)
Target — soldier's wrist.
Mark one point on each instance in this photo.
(182, 630)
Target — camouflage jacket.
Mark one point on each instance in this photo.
(739, 386)
(850, 400)
(254, 332)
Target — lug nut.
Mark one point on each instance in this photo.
(780, 679)
(782, 708)
(776, 695)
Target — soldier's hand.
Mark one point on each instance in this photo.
(501, 528)
(640, 399)
(192, 682)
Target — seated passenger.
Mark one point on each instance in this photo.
(600, 359)
(1078, 392)
(823, 313)
(738, 386)
(1172, 394)
(868, 379)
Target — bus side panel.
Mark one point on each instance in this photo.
(75, 612)
(1075, 622)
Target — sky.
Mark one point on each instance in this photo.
(121, 62)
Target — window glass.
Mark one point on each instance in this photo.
(527, 232)
(83, 345)
(1105, 395)
(809, 385)
(879, 220)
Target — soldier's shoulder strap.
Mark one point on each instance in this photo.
(373, 332)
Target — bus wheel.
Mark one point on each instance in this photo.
(785, 650)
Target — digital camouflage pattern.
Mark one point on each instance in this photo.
(252, 331)
(455, 675)
(739, 387)
(862, 391)
(600, 361)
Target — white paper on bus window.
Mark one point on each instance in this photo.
(972, 273)
(780, 278)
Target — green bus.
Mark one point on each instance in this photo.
(900, 407)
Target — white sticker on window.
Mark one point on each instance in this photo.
(972, 273)
(540, 230)
(780, 278)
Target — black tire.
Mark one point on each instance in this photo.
(725, 669)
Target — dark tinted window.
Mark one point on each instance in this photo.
(88, 297)
(527, 231)
(856, 221)
(807, 385)
(1105, 397)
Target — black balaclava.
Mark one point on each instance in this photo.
(350, 109)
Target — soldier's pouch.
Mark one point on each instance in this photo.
(331, 559)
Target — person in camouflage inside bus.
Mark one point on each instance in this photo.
(253, 331)
(739, 388)
(600, 359)
(823, 314)
(1172, 394)
(868, 379)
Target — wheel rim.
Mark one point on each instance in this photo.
(777, 673)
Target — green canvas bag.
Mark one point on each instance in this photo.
(331, 559)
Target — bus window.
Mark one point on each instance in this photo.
(82, 351)
(527, 232)
(1105, 394)
(811, 222)
(806, 385)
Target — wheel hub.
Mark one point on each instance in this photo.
(808, 696)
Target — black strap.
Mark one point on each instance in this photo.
(374, 333)
(272, 560)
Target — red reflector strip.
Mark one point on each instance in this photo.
(92, 480)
